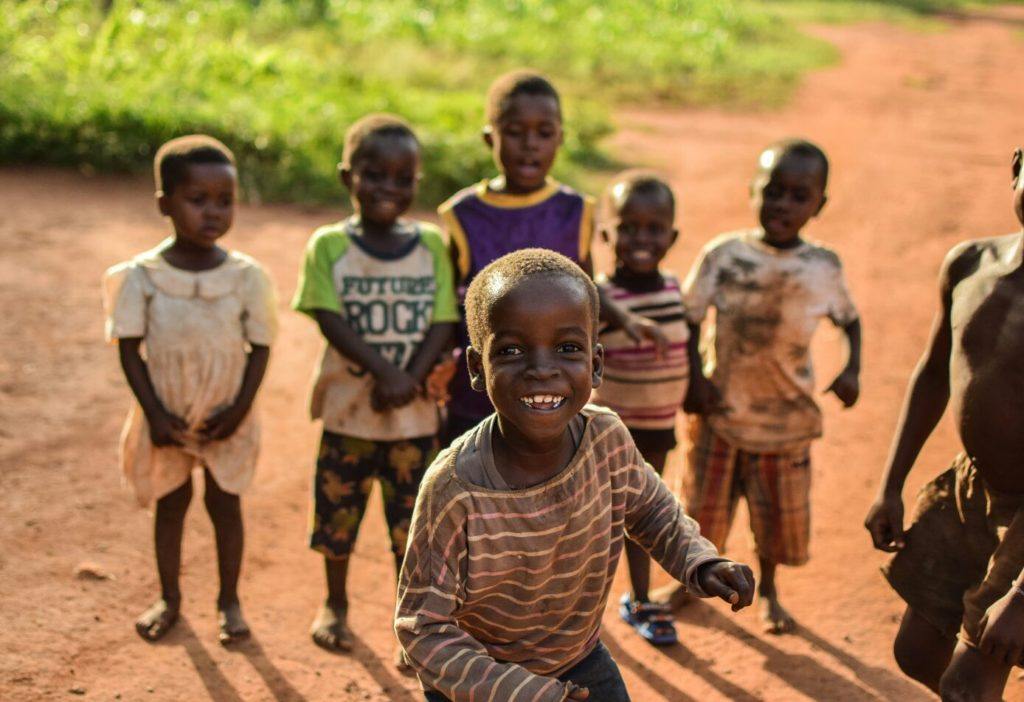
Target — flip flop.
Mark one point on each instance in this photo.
(652, 620)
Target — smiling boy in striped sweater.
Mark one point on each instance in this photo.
(644, 387)
(519, 525)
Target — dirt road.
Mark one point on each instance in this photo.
(920, 126)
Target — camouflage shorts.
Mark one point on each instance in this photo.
(345, 471)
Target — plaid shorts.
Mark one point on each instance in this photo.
(776, 486)
(345, 471)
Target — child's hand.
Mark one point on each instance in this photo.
(846, 387)
(885, 522)
(731, 581)
(392, 390)
(222, 423)
(437, 382)
(166, 429)
(1002, 628)
(641, 329)
(702, 397)
(576, 692)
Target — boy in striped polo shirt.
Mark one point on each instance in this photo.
(644, 387)
(519, 525)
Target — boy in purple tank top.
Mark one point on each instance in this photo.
(523, 207)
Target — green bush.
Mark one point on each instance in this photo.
(100, 85)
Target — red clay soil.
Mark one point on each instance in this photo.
(920, 126)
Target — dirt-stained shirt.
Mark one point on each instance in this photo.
(503, 589)
(391, 301)
(768, 303)
(196, 328)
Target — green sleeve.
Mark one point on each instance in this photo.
(445, 309)
(315, 290)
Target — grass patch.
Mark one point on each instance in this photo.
(917, 12)
(280, 80)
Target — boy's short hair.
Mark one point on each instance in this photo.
(803, 149)
(170, 165)
(521, 82)
(634, 181)
(370, 127)
(509, 271)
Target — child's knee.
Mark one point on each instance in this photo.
(913, 662)
(172, 506)
(972, 676)
(959, 686)
(221, 505)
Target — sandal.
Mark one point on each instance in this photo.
(652, 620)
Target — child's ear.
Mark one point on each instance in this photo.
(675, 235)
(606, 237)
(161, 203)
(598, 363)
(1016, 164)
(345, 176)
(476, 369)
(488, 135)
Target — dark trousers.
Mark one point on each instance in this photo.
(598, 672)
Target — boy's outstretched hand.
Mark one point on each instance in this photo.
(1002, 628)
(577, 693)
(641, 329)
(731, 581)
(846, 387)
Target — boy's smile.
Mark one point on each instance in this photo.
(202, 206)
(786, 193)
(525, 141)
(540, 362)
(643, 231)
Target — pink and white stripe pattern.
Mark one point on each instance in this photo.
(502, 590)
(644, 389)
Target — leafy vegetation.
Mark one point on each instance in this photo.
(100, 85)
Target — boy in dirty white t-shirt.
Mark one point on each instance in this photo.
(755, 410)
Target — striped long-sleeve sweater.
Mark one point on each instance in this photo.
(501, 589)
(645, 389)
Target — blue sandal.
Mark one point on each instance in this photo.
(652, 620)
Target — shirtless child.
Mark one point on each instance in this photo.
(959, 565)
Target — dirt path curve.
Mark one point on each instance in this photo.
(919, 125)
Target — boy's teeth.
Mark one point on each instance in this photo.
(542, 399)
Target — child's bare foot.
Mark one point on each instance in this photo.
(329, 629)
(156, 621)
(233, 627)
(674, 595)
(774, 617)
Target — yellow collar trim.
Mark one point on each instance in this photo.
(512, 201)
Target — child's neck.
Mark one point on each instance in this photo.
(781, 245)
(638, 281)
(523, 462)
(383, 237)
(502, 185)
(182, 253)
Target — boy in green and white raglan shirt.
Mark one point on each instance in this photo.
(380, 288)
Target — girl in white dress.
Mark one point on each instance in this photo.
(194, 324)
